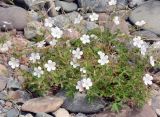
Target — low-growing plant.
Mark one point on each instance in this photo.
(120, 79)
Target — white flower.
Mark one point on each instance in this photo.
(116, 20)
(85, 39)
(56, 32)
(147, 79)
(5, 47)
(77, 53)
(101, 54)
(79, 86)
(143, 48)
(112, 2)
(40, 44)
(152, 61)
(138, 42)
(140, 23)
(48, 22)
(78, 19)
(51, 66)
(156, 45)
(34, 56)
(94, 17)
(103, 60)
(38, 71)
(13, 63)
(53, 42)
(86, 83)
(83, 70)
(74, 63)
(58, 8)
(9, 44)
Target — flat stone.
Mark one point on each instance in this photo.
(43, 115)
(66, 6)
(13, 17)
(149, 12)
(61, 112)
(146, 111)
(79, 104)
(42, 104)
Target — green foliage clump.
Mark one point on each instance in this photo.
(120, 80)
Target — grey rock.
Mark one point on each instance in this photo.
(122, 2)
(149, 12)
(32, 3)
(3, 95)
(61, 21)
(69, 0)
(154, 50)
(34, 15)
(3, 114)
(66, 6)
(3, 83)
(133, 3)
(80, 104)
(90, 25)
(156, 103)
(146, 34)
(65, 20)
(43, 115)
(80, 115)
(19, 96)
(95, 5)
(13, 17)
(33, 29)
(2, 102)
(13, 113)
(13, 84)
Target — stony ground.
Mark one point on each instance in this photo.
(23, 21)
